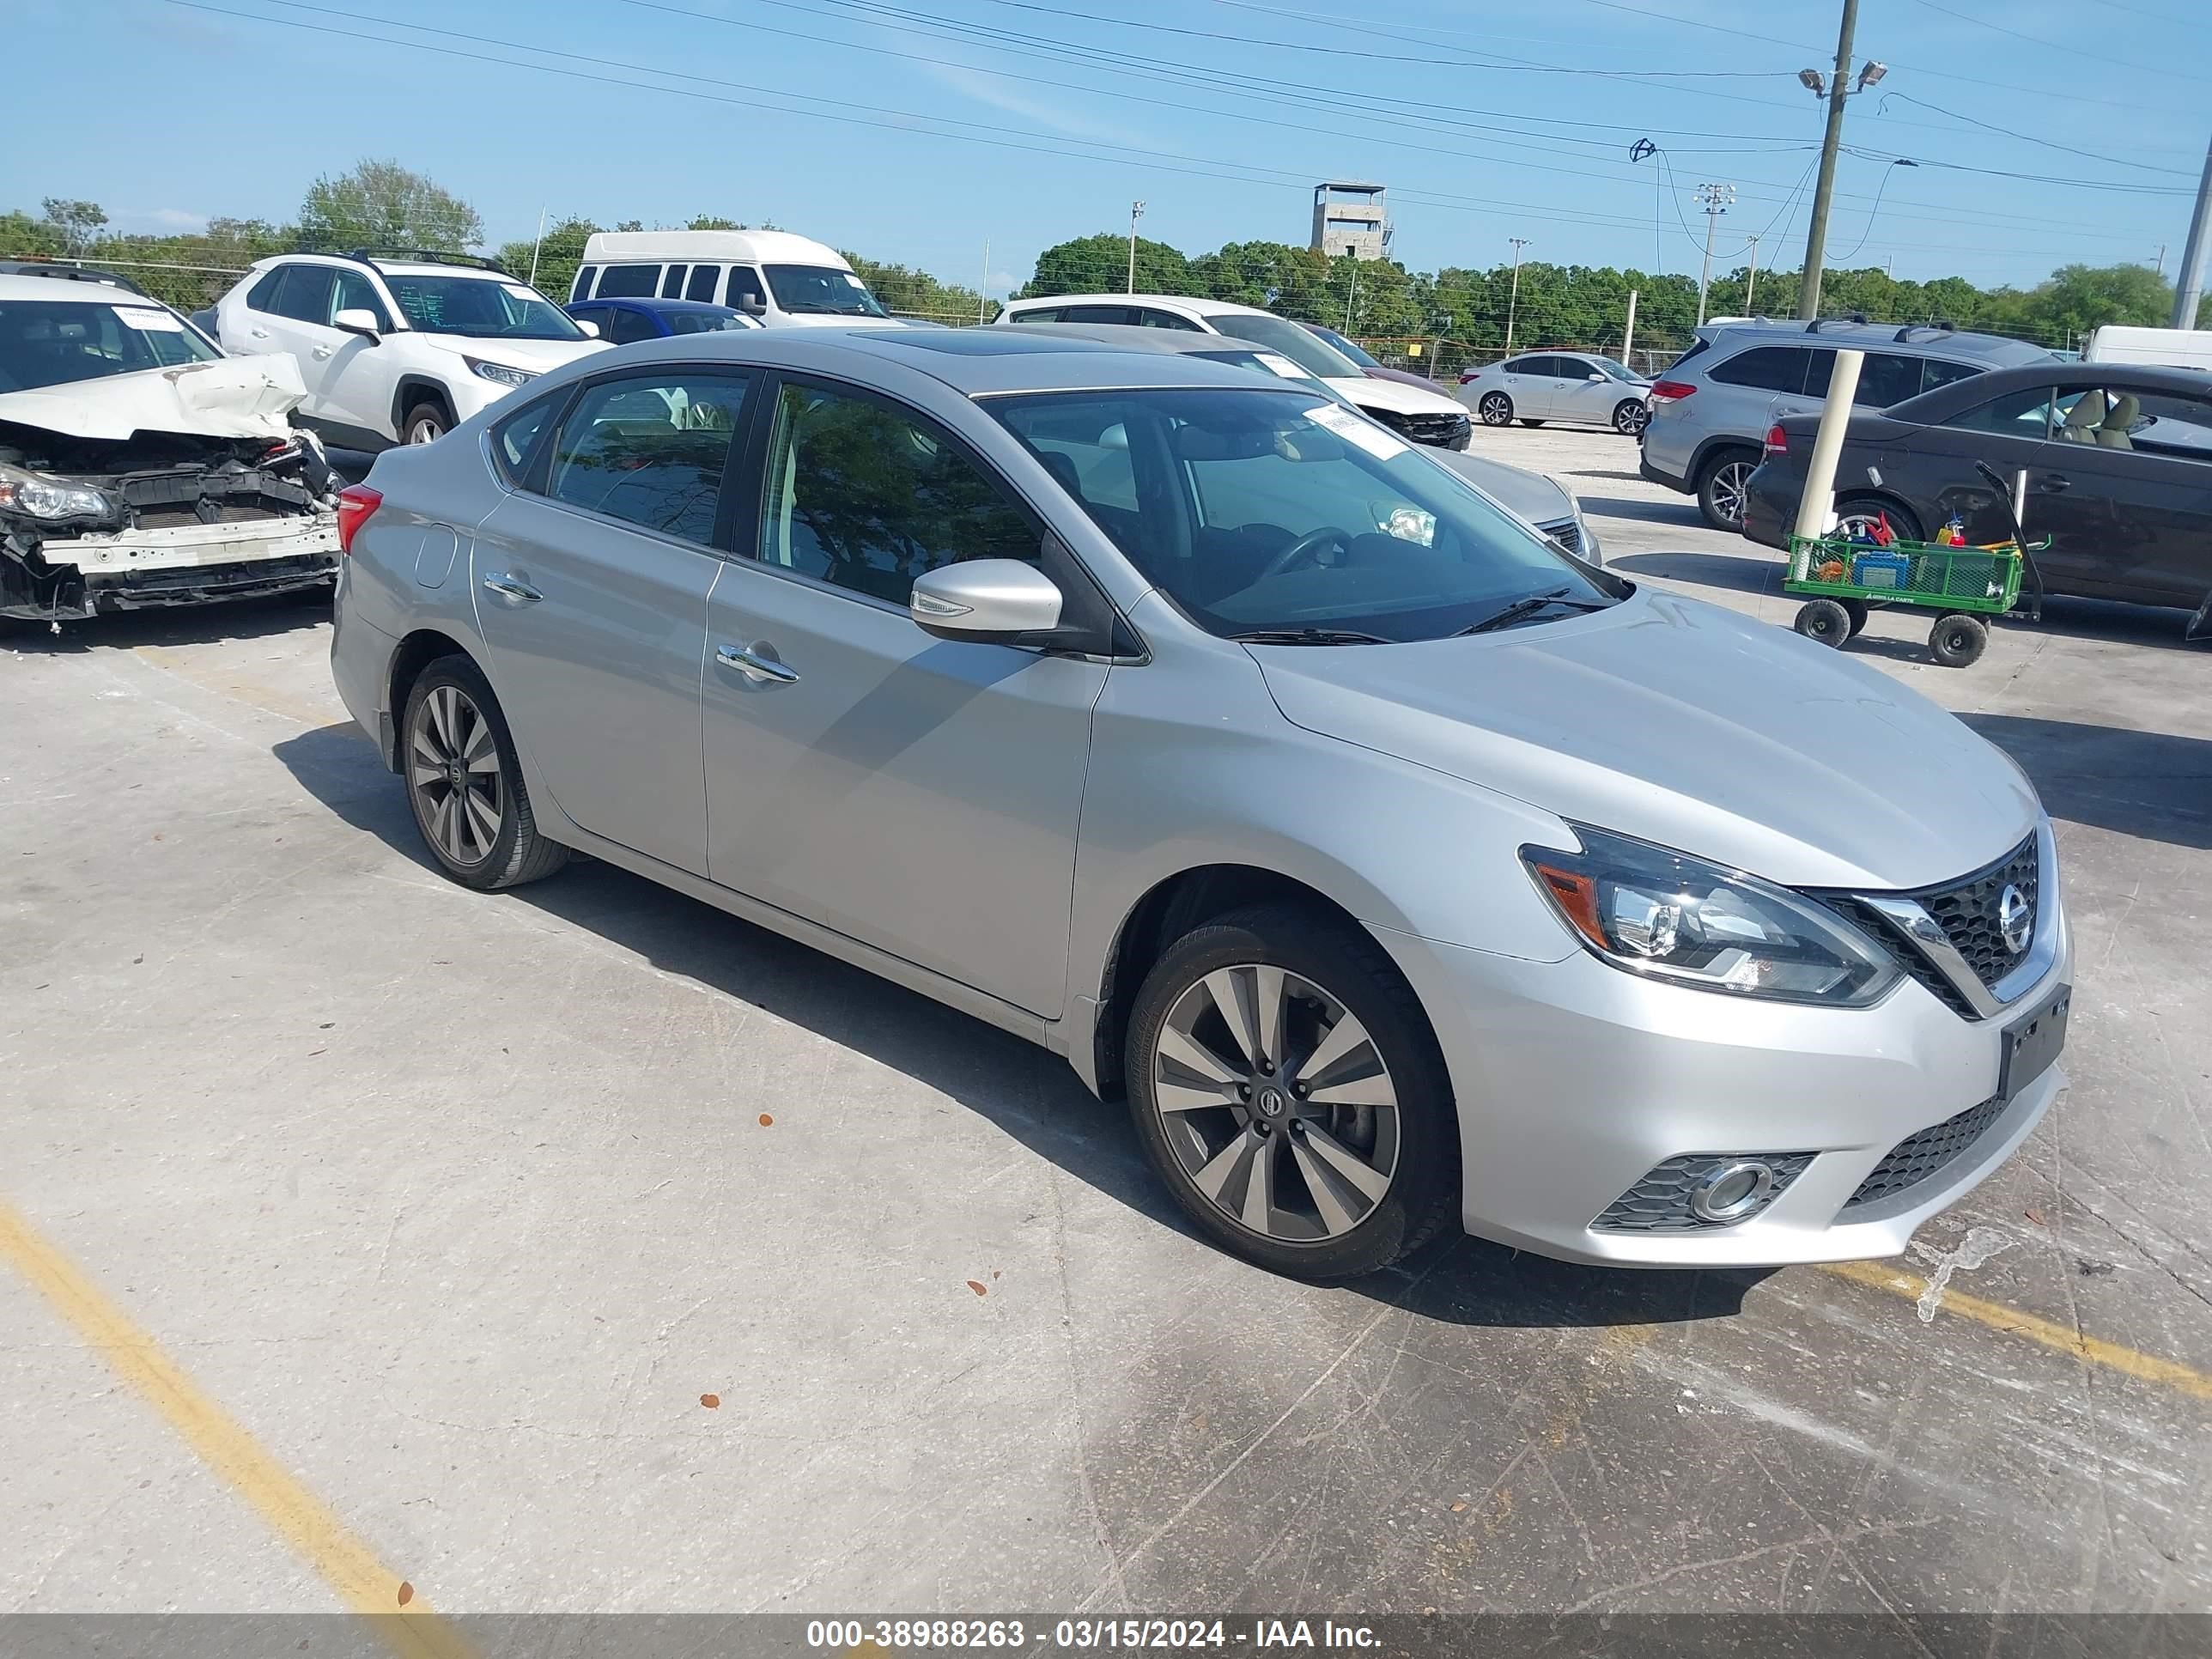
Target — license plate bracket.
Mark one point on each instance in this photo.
(2032, 1042)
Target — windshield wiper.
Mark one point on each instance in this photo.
(1307, 636)
(1506, 616)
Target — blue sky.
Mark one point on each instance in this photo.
(955, 122)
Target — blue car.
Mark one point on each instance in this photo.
(623, 321)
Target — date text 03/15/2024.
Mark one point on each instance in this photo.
(893, 1635)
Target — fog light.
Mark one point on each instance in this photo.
(1729, 1191)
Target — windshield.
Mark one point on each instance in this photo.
(479, 309)
(54, 342)
(1618, 371)
(822, 289)
(1294, 340)
(1268, 511)
(1352, 349)
(704, 322)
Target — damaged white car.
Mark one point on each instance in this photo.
(139, 466)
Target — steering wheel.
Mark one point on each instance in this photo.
(1307, 546)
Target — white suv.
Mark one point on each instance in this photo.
(397, 347)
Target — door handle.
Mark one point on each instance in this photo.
(257, 333)
(2052, 486)
(322, 352)
(508, 587)
(760, 670)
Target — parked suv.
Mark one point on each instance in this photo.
(397, 346)
(1711, 411)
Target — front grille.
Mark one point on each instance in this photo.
(1660, 1203)
(1967, 911)
(1566, 533)
(1438, 431)
(1906, 954)
(1922, 1156)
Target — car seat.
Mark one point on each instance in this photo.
(2082, 419)
(2112, 432)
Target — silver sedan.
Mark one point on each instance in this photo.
(1401, 871)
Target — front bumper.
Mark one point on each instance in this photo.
(1574, 1080)
(79, 577)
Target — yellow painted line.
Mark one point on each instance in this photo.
(409, 1628)
(2129, 1362)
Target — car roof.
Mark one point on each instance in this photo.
(20, 288)
(1135, 337)
(975, 363)
(387, 267)
(1909, 337)
(1191, 303)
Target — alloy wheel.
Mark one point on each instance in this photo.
(424, 431)
(452, 768)
(1496, 409)
(1630, 418)
(1729, 487)
(1276, 1101)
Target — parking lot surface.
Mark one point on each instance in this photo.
(582, 1248)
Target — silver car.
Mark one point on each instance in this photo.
(1401, 871)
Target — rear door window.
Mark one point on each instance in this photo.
(704, 279)
(650, 449)
(628, 282)
(1934, 372)
(1767, 368)
(306, 295)
(1099, 314)
(1150, 317)
(671, 282)
(1040, 315)
(1887, 379)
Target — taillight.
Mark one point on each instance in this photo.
(1670, 392)
(356, 503)
(1778, 440)
(1469, 376)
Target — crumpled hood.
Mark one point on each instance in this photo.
(1395, 396)
(1688, 724)
(228, 397)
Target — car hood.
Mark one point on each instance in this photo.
(1684, 724)
(228, 397)
(533, 356)
(1399, 399)
(1529, 496)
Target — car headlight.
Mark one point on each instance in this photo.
(40, 497)
(499, 373)
(1669, 916)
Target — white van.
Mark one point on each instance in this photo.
(2168, 348)
(785, 281)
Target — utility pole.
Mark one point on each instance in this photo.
(1751, 281)
(2188, 281)
(1628, 333)
(983, 293)
(1136, 212)
(1513, 303)
(1836, 90)
(1716, 199)
(1351, 295)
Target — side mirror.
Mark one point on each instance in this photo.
(357, 320)
(1595, 375)
(984, 599)
(753, 305)
(591, 329)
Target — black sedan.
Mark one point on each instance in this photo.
(2118, 459)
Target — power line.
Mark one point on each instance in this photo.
(2027, 137)
(2061, 45)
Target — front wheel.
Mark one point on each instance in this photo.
(426, 423)
(1496, 409)
(1529, 423)
(1958, 641)
(1286, 1087)
(465, 783)
(1630, 416)
(1824, 622)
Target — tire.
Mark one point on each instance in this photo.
(1721, 487)
(1630, 416)
(1867, 509)
(450, 709)
(1958, 641)
(427, 422)
(1858, 610)
(1358, 1183)
(1494, 409)
(1825, 621)
(1532, 423)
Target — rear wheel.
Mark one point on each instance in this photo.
(1496, 409)
(464, 784)
(1286, 1087)
(1867, 513)
(1721, 488)
(1858, 610)
(1630, 416)
(1957, 641)
(1825, 621)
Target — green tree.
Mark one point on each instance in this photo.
(914, 293)
(558, 255)
(382, 204)
(1100, 265)
(76, 223)
(22, 237)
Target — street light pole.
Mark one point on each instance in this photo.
(1751, 281)
(1136, 212)
(1513, 303)
(1715, 200)
(1816, 233)
(2188, 281)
